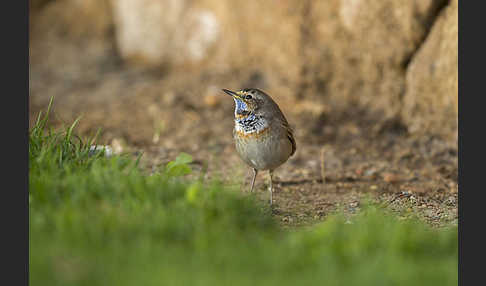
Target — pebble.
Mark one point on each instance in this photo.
(212, 100)
(98, 148)
(370, 172)
(353, 204)
(430, 213)
(213, 96)
(117, 145)
(391, 178)
(287, 219)
(451, 201)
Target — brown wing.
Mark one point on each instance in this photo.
(290, 134)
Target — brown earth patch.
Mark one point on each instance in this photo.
(362, 159)
(359, 84)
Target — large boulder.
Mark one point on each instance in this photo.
(70, 41)
(155, 32)
(358, 50)
(431, 100)
(67, 34)
(337, 53)
(35, 5)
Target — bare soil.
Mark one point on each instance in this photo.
(344, 155)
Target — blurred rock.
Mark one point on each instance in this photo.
(212, 97)
(37, 4)
(377, 56)
(391, 177)
(117, 145)
(69, 40)
(357, 50)
(71, 19)
(155, 32)
(93, 149)
(144, 28)
(431, 101)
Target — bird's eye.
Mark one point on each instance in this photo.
(248, 97)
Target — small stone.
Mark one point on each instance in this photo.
(117, 146)
(430, 213)
(451, 201)
(169, 98)
(374, 187)
(288, 219)
(99, 148)
(212, 100)
(391, 178)
(370, 172)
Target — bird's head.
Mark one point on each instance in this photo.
(248, 101)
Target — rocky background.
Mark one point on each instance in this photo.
(149, 72)
(396, 58)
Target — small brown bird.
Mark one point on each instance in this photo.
(263, 137)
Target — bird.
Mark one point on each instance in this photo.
(263, 137)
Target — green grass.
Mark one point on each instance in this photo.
(102, 221)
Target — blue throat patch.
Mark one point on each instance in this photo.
(248, 122)
(240, 106)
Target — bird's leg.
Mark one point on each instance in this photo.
(270, 172)
(255, 171)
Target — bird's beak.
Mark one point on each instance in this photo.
(232, 93)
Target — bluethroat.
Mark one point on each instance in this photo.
(263, 137)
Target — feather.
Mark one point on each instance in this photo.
(290, 135)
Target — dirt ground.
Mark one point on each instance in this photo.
(162, 114)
